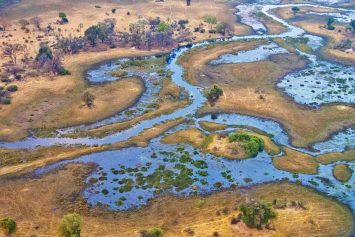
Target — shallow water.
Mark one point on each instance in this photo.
(322, 82)
(246, 56)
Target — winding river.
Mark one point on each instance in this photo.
(115, 183)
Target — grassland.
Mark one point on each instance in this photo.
(212, 127)
(342, 172)
(42, 102)
(334, 156)
(176, 216)
(314, 26)
(296, 162)
(253, 92)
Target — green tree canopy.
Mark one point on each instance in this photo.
(8, 225)
(70, 226)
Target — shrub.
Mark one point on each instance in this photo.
(154, 232)
(63, 71)
(256, 214)
(163, 27)
(8, 225)
(70, 225)
(12, 88)
(6, 101)
(295, 10)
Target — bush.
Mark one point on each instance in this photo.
(154, 232)
(256, 214)
(6, 101)
(63, 72)
(12, 88)
(62, 15)
(70, 225)
(65, 20)
(8, 225)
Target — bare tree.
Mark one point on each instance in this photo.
(12, 51)
(88, 99)
(54, 65)
(23, 23)
(4, 24)
(36, 21)
(14, 70)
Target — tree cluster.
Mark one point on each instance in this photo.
(256, 214)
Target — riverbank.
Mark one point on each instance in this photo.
(176, 216)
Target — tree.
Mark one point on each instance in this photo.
(63, 17)
(295, 10)
(214, 94)
(23, 23)
(44, 54)
(70, 226)
(91, 34)
(4, 24)
(256, 214)
(211, 20)
(223, 28)
(88, 99)
(11, 51)
(36, 21)
(330, 23)
(80, 27)
(70, 45)
(8, 225)
(352, 24)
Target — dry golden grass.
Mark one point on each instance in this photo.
(253, 92)
(38, 204)
(342, 172)
(334, 156)
(317, 28)
(110, 98)
(212, 127)
(192, 136)
(166, 105)
(272, 26)
(296, 162)
(42, 102)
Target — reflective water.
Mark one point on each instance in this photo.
(260, 53)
